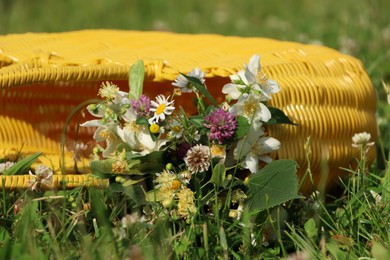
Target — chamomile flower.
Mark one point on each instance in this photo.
(183, 83)
(161, 107)
(177, 129)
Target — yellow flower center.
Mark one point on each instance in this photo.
(250, 108)
(154, 128)
(176, 129)
(108, 135)
(160, 109)
(176, 184)
(217, 150)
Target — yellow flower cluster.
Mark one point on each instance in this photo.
(186, 204)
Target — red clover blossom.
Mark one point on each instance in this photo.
(142, 106)
(221, 124)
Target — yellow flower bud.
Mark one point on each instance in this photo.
(154, 128)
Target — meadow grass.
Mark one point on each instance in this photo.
(95, 224)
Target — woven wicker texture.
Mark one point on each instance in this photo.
(70, 181)
(44, 76)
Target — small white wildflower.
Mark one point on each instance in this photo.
(183, 83)
(251, 107)
(161, 107)
(43, 175)
(177, 129)
(108, 90)
(251, 81)
(254, 148)
(5, 166)
(361, 139)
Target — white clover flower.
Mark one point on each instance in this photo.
(5, 166)
(161, 108)
(183, 83)
(43, 175)
(251, 107)
(198, 159)
(361, 139)
(105, 132)
(254, 148)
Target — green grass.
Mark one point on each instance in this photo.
(87, 223)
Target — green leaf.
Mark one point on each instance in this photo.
(132, 182)
(101, 167)
(142, 121)
(243, 127)
(276, 183)
(201, 88)
(136, 79)
(22, 166)
(197, 120)
(279, 117)
(219, 174)
(310, 228)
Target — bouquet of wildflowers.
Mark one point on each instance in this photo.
(208, 168)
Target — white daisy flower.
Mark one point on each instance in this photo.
(176, 129)
(254, 148)
(161, 108)
(184, 84)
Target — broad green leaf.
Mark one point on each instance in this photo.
(201, 88)
(136, 79)
(243, 127)
(276, 183)
(142, 121)
(100, 167)
(22, 166)
(311, 228)
(279, 117)
(219, 174)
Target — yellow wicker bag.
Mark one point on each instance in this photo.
(44, 76)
